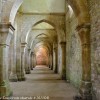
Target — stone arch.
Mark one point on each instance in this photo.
(46, 21)
(38, 21)
(62, 33)
(42, 44)
(81, 10)
(9, 10)
(47, 43)
(42, 34)
(32, 36)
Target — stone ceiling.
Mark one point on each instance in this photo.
(31, 7)
(43, 6)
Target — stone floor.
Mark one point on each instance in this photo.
(43, 84)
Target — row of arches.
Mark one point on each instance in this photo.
(81, 11)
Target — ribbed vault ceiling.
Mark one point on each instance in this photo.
(31, 7)
(43, 6)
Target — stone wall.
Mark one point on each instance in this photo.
(41, 56)
(73, 61)
(95, 46)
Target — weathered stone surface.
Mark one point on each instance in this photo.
(95, 46)
(73, 54)
(25, 33)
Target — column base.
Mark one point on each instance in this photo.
(23, 76)
(19, 77)
(31, 68)
(27, 72)
(13, 78)
(23, 79)
(77, 98)
(5, 89)
(85, 91)
(63, 77)
(82, 98)
(63, 73)
(55, 72)
(51, 68)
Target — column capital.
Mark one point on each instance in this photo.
(84, 34)
(4, 27)
(6, 31)
(23, 45)
(83, 26)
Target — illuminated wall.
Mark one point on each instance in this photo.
(41, 56)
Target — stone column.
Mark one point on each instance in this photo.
(51, 60)
(6, 32)
(63, 60)
(13, 73)
(55, 60)
(31, 60)
(34, 60)
(27, 61)
(85, 88)
(18, 59)
(23, 45)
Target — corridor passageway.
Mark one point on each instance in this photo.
(61, 34)
(43, 82)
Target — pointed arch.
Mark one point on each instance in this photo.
(10, 9)
(46, 21)
(81, 10)
(42, 34)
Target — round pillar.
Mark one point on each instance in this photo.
(51, 61)
(13, 73)
(6, 31)
(34, 60)
(55, 60)
(31, 60)
(63, 60)
(27, 61)
(23, 45)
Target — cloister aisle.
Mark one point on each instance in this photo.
(45, 83)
